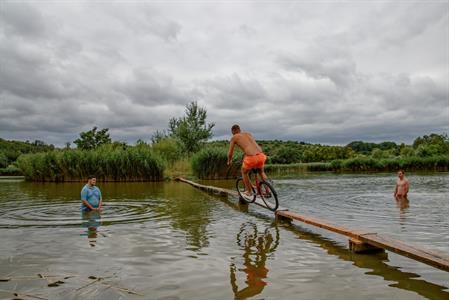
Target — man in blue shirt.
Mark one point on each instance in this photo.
(91, 196)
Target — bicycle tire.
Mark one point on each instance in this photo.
(270, 199)
(240, 186)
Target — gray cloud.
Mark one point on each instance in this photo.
(324, 72)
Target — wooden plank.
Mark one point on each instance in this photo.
(321, 224)
(210, 189)
(428, 257)
(223, 192)
(432, 258)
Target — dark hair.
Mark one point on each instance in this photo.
(401, 170)
(235, 127)
(90, 177)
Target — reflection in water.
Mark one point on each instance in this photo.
(257, 247)
(403, 204)
(377, 265)
(91, 221)
(188, 211)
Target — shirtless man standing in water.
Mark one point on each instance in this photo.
(401, 191)
(254, 157)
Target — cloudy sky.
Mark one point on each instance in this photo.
(316, 71)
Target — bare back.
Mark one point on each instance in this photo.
(246, 142)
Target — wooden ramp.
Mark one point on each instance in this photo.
(360, 241)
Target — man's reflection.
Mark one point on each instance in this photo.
(403, 204)
(91, 221)
(257, 246)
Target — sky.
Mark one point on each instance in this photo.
(317, 71)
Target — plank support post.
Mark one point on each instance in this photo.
(282, 218)
(241, 201)
(357, 246)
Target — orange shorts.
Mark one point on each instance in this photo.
(254, 161)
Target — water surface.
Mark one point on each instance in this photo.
(170, 241)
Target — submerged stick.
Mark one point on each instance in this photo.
(50, 283)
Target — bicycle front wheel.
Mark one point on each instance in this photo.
(241, 190)
(268, 195)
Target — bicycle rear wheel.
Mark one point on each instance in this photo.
(268, 195)
(241, 190)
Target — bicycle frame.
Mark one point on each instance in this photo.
(257, 173)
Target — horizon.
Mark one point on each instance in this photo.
(133, 143)
(327, 73)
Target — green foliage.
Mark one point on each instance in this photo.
(92, 139)
(13, 149)
(191, 130)
(158, 136)
(3, 160)
(286, 155)
(10, 170)
(168, 149)
(107, 162)
(211, 163)
(367, 148)
(432, 139)
(407, 151)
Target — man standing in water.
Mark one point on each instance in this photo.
(91, 196)
(402, 186)
(254, 157)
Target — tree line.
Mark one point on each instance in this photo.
(187, 139)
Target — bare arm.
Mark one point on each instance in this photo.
(396, 190)
(88, 205)
(231, 151)
(406, 187)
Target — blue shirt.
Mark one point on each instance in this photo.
(91, 195)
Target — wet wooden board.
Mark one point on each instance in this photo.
(321, 224)
(432, 258)
(222, 192)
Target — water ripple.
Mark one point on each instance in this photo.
(51, 214)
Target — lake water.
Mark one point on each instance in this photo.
(170, 241)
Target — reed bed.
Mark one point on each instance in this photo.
(107, 163)
(211, 163)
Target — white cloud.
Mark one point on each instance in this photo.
(321, 72)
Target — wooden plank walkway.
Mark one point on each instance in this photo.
(222, 192)
(432, 258)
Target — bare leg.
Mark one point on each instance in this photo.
(246, 181)
(262, 173)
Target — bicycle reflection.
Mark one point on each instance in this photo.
(91, 221)
(257, 247)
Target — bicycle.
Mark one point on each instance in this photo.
(263, 189)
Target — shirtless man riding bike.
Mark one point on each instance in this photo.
(254, 157)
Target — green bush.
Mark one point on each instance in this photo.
(107, 163)
(168, 149)
(10, 170)
(286, 155)
(210, 163)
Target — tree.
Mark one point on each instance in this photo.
(191, 130)
(3, 160)
(158, 136)
(92, 139)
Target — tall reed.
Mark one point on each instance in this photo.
(211, 163)
(107, 163)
